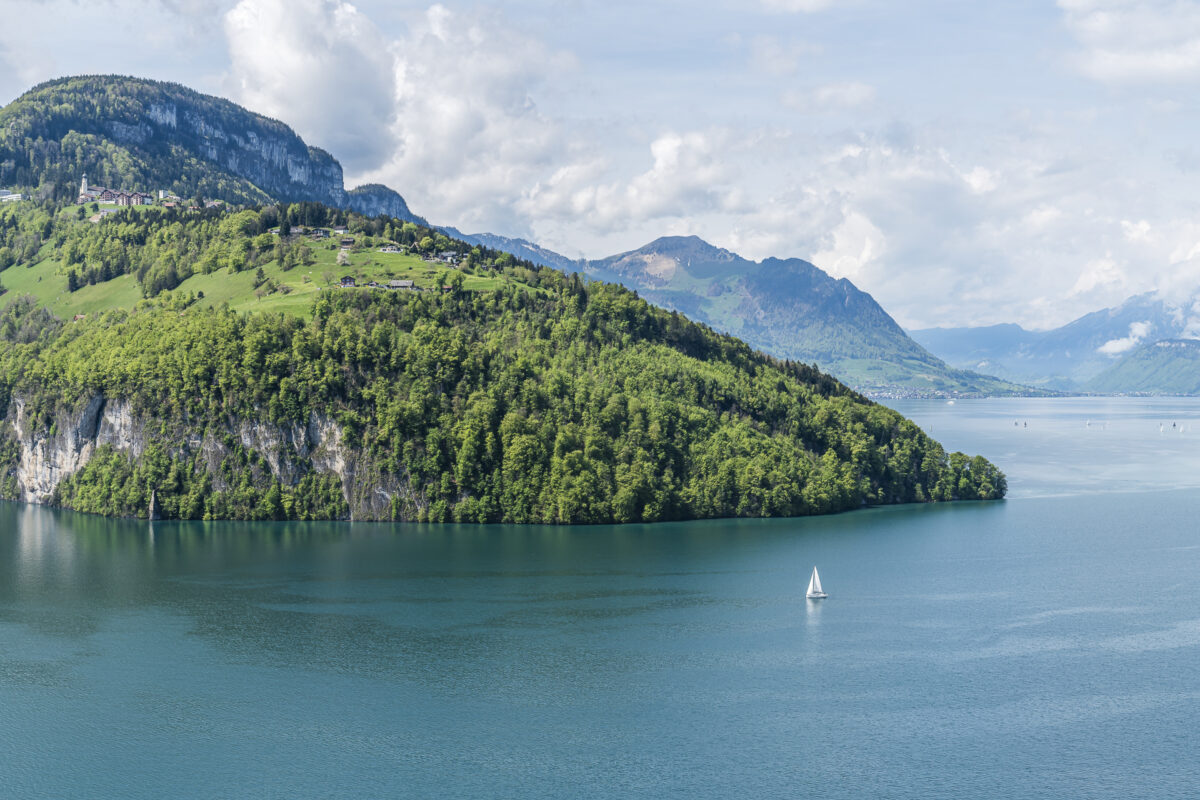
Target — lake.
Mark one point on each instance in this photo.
(1043, 646)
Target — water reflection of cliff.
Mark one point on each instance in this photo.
(72, 567)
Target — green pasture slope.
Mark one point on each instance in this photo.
(46, 279)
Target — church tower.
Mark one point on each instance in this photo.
(83, 186)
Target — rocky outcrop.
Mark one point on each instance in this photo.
(374, 199)
(51, 447)
(237, 155)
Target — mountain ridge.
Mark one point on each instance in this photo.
(793, 309)
(1070, 356)
(138, 133)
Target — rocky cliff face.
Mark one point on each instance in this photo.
(374, 199)
(144, 134)
(51, 448)
(264, 151)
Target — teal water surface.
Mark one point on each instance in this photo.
(1043, 646)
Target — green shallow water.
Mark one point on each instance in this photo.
(1044, 646)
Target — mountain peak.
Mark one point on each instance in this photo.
(686, 248)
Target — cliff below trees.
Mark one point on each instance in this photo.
(544, 400)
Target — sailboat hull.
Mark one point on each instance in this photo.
(816, 595)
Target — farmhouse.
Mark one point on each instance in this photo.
(348, 282)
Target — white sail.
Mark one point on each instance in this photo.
(814, 585)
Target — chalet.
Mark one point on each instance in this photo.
(99, 194)
(341, 230)
(319, 233)
(132, 199)
(170, 204)
(348, 282)
(449, 256)
(297, 230)
(395, 284)
(347, 242)
(391, 248)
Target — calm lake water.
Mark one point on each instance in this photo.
(1044, 646)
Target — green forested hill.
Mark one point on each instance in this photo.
(515, 393)
(137, 134)
(1169, 366)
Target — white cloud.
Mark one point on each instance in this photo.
(1043, 216)
(779, 57)
(1137, 332)
(321, 66)
(981, 180)
(855, 244)
(830, 97)
(469, 137)
(1136, 231)
(1100, 273)
(1135, 40)
(687, 176)
(798, 6)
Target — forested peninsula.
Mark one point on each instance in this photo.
(302, 362)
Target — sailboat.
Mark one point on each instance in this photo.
(814, 587)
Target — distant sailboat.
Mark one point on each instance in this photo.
(814, 587)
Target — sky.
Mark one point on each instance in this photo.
(965, 163)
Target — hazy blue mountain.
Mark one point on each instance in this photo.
(793, 310)
(521, 248)
(1168, 366)
(1066, 358)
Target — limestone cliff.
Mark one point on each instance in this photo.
(52, 447)
(147, 135)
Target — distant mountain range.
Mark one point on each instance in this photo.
(521, 248)
(791, 309)
(1168, 366)
(1109, 351)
